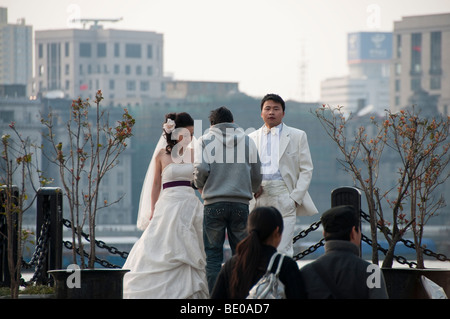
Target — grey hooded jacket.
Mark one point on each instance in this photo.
(226, 165)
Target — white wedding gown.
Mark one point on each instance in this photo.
(168, 261)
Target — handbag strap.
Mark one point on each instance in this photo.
(272, 260)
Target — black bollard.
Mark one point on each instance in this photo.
(5, 276)
(49, 228)
(347, 196)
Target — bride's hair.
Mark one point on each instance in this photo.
(182, 119)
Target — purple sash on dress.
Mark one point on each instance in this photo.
(176, 183)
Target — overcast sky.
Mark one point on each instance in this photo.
(259, 43)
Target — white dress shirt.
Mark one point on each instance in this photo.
(270, 146)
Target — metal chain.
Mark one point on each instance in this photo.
(305, 232)
(408, 243)
(402, 260)
(399, 259)
(98, 243)
(309, 250)
(40, 253)
(100, 261)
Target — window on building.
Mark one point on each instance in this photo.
(40, 51)
(119, 178)
(116, 69)
(54, 66)
(435, 53)
(127, 69)
(66, 49)
(131, 85)
(399, 46)
(6, 116)
(416, 53)
(145, 86)
(149, 51)
(397, 85)
(435, 83)
(138, 70)
(112, 84)
(85, 50)
(101, 50)
(67, 69)
(132, 50)
(116, 50)
(149, 71)
(415, 83)
(398, 68)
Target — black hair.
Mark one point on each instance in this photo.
(275, 98)
(262, 222)
(220, 115)
(339, 221)
(181, 120)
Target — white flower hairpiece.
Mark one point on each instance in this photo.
(169, 126)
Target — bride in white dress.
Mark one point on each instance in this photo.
(168, 261)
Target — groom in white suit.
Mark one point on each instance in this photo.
(286, 167)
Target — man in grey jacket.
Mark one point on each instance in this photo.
(341, 273)
(227, 170)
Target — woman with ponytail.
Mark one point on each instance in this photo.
(239, 274)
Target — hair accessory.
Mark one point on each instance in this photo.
(169, 126)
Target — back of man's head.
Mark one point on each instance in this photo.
(220, 115)
(338, 222)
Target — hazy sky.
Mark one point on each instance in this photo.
(259, 43)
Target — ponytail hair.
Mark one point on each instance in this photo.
(262, 222)
(173, 121)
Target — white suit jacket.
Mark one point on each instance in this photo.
(295, 166)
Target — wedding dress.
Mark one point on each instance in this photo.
(168, 261)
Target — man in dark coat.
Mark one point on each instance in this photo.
(341, 273)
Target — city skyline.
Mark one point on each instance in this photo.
(260, 44)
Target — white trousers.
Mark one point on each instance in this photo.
(276, 194)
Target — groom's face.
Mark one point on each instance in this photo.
(272, 113)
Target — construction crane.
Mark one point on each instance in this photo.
(96, 24)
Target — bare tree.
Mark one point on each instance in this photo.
(93, 147)
(422, 148)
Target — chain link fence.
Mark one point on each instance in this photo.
(42, 252)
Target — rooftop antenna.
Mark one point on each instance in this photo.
(95, 25)
(303, 72)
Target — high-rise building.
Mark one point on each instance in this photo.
(126, 65)
(420, 68)
(367, 84)
(16, 49)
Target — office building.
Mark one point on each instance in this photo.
(126, 65)
(420, 66)
(367, 84)
(16, 49)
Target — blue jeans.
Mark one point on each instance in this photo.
(218, 217)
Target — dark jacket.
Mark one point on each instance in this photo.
(289, 276)
(347, 272)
